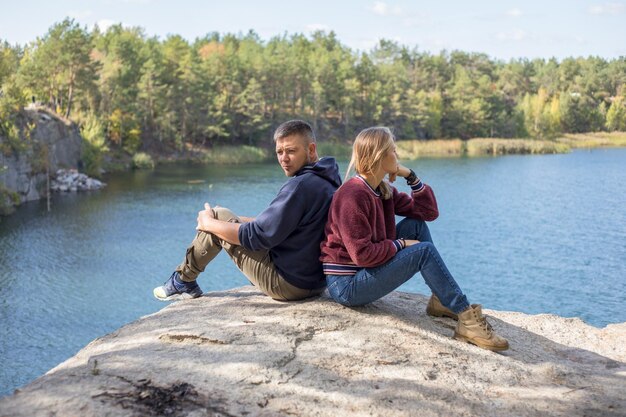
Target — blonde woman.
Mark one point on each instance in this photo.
(366, 255)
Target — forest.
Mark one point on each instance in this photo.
(130, 92)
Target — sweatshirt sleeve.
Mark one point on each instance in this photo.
(275, 223)
(421, 204)
(354, 226)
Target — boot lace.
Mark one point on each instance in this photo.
(484, 324)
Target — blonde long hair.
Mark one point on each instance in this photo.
(370, 147)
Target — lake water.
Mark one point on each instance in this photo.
(526, 233)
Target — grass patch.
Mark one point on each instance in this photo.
(234, 155)
(338, 150)
(496, 146)
(142, 160)
(593, 139)
(414, 149)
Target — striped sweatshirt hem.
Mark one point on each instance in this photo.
(331, 268)
(339, 269)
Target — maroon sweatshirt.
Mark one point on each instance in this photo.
(361, 227)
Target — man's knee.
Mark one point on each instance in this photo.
(224, 214)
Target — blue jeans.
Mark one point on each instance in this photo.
(370, 284)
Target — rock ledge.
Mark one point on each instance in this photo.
(238, 353)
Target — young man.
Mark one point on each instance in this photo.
(279, 250)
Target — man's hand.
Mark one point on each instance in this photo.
(410, 242)
(204, 218)
(227, 231)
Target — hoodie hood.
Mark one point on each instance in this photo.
(326, 168)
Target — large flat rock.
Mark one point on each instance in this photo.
(238, 353)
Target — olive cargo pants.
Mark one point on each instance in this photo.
(255, 265)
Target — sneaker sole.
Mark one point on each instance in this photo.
(173, 297)
(480, 345)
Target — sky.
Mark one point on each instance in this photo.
(502, 29)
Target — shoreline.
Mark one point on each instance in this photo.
(410, 149)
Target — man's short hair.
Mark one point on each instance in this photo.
(295, 127)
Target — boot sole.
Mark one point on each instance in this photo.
(480, 345)
(437, 314)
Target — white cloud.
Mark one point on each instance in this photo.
(317, 26)
(562, 39)
(411, 18)
(380, 8)
(79, 14)
(364, 44)
(105, 24)
(410, 22)
(606, 8)
(383, 9)
(514, 12)
(514, 35)
(436, 44)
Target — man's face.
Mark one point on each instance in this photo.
(293, 152)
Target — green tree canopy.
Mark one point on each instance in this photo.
(226, 88)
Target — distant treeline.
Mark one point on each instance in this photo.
(130, 91)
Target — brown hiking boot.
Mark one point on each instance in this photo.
(436, 309)
(474, 328)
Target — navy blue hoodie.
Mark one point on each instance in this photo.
(292, 227)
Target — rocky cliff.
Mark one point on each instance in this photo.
(45, 138)
(237, 353)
